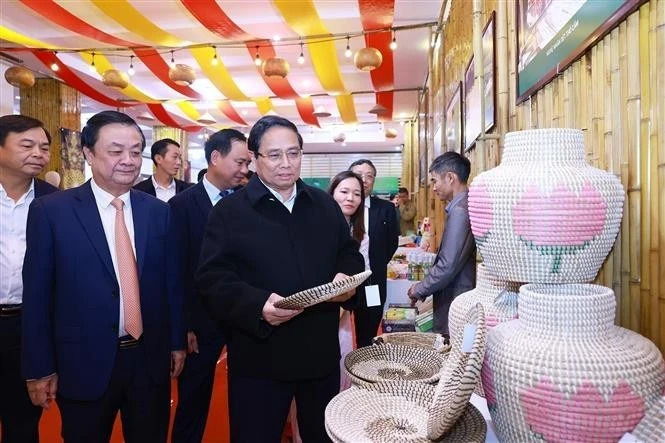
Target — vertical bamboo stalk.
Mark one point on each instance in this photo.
(479, 72)
(503, 63)
(658, 88)
(605, 146)
(615, 160)
(627, 309)
(569, 96)
(634, 166)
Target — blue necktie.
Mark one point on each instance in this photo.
(225, 193)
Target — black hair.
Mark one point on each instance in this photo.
(160, 147)
(18, 124)
(221, 142)
(98, 121)
(358, 218)
(363, 161)
(402, 191)
(201, 174)
(452, 162)
(263, 125)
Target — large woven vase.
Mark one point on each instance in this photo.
(499, 300)
(544, 215)
(564, 372)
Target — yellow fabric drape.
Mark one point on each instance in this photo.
(20, 39)
(347, 110)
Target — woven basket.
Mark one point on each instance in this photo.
(544, 215)
(564, 372)
(371, 364)
(427, 340)
(415, 412)
(652, 428)
(499, 300)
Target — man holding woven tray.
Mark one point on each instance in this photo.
(271, 239)
(454, 269)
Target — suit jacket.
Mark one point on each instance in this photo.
(43, 188)
(254, 246)
(454, 269)
(70, 296)
(190, 213)
(383, 237)
(147, 186)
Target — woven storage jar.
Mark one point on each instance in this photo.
(544, 215)
(564, 372)
(499, 299)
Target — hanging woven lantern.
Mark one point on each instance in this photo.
(339, 138)
(182, 75)
(115, 79)
(368, 59)
(391, 133)
(320, 111)
(275, 67)
(378, 109)
(20, 77)
(206, 119)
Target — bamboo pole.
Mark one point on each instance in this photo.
(634, 166)
(626, 311)
(615, 161)
(502, 74)
(658, 88)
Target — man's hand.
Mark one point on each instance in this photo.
(43, 390)
(345, 296)
(276, 316)
(177, 362)
(412, 295)
(192, 343)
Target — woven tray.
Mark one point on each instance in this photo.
(319, 294)
(427, 340)
(394, 362)
(393, 412)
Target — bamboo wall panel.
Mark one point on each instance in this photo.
(57, 106)
(614, 93)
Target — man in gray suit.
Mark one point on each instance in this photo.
(454, 269)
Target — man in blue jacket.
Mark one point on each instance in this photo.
(102, 298)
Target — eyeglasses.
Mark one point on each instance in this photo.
(368, 176)
(275, 156)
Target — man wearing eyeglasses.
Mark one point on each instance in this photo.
(379, 245)
(275, 237)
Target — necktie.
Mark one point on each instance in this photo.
(225, 193)
(129, 279)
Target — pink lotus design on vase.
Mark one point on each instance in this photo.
(480, 211)
(487, 378)
(585, 415)
(561, 223)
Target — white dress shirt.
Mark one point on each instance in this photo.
(107, 214)
(212, 190)
(13, 218)
(289, 202)
(364, 244)
(163, 193)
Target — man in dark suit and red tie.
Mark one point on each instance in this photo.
(228, 159)
(24, 152)
(102, 299)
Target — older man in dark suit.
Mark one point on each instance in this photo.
(454, 269)
(24, 152)
(102, 299)
(228, 159)
(378, 246)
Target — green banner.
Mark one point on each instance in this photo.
(382, 185)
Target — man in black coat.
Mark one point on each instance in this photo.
(275, 237)
(24, 152)
(380, 244)
(166, 156)
(228, 158)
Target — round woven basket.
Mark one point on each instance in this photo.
(415, 412)
(427, 340)
(544, 215)
(652, 426)
(564, 372)
(371, 364)
(499, 300)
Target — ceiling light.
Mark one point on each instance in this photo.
(215, 60)
(131, 71)
(18, 97)
(257, 58)
(378, 109)
(276, 38)
(301, 57)
(172, 63)
(92, 67)
(348, 53)
(306, 83)
(244, 112)
(393, 44)
(54, 66)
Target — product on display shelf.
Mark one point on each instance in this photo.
(399, 318)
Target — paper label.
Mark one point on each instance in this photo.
(469, 336)
(372, 295)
